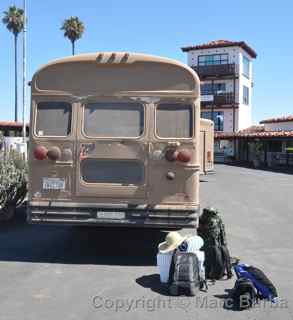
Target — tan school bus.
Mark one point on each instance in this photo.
(206, 146)
(115, 141)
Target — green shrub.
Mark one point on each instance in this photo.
(13, 183)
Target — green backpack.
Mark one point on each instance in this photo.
(217, 257)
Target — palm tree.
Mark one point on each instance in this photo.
(14, 21)
(73, 29)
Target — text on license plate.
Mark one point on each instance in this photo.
(53, 183)
(110, 215)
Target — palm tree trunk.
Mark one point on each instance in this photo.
(73, 48)
(15, 80)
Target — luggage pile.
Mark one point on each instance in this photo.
(187, 262)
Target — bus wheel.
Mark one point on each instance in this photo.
(7, 213)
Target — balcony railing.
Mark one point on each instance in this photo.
(218, 99)
(216, 70)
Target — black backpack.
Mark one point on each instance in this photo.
(244, 294)
(217, 256)
(184, 274)
(214, 262)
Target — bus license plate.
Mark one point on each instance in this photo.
(110, 215)
(53, 184)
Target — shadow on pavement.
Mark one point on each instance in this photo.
(227, 300)
(152, 282)
(22, 242)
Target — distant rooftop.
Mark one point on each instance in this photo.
(222, 44)
(279, 119)
(11, 124)
(254, 132)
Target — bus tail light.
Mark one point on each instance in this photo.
(171, 155)
(184, 156)
(40, 153)
(54, 153)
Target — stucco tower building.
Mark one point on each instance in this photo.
(226, 74)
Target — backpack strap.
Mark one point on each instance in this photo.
(204, 286)
(223, 238)
(172, 267)
(227, 261)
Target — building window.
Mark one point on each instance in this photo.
(205, 115)
(274, 146)
(219, 121)
(245, 95)
(213, 59)
(218, 118)
(246, 66)
(207, 88)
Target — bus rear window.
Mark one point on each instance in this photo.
(174, 121)
(53, 119)
(114, 120)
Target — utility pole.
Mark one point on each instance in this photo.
(24, 96)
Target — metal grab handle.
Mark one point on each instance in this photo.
(65, 163)
(174, 143)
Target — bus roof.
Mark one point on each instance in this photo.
(104, 67)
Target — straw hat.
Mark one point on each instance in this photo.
(172, 241)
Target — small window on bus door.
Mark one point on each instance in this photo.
(110, 120)
(53, 119)
(174, 120)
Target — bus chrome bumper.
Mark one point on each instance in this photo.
(128, 217)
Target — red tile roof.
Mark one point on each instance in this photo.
(254, 132)
(280, 119)
(11, 124)
(222, 44)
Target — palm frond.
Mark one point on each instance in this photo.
(14, 19)
(73, 28)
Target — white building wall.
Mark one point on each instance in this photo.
(228, 120)
(245, 111)
(279, 126)
(243, 115)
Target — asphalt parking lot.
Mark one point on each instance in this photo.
(75, 273)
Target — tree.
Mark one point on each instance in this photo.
(14, 21)
(73, 30)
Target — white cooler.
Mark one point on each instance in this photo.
(164, 263)
(164, 259)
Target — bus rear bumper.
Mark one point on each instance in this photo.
(114, 217)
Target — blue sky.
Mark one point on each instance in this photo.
(162, 28)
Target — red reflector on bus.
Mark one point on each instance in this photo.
(40, 152)
(184, 156)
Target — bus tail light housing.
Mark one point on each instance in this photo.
(184, 155)
(209, 156)
(40, 153)
(54, 153)
(171, 155)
